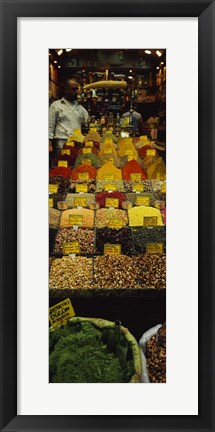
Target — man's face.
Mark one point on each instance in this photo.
(72, 91)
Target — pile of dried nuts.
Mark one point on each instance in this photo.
(128, 185)
(69, 272)
(85, 238)
(151, 270)
(104, 215)
(156, 358)
(114, 272)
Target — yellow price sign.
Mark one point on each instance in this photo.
(163, 188)
(86, 162)
(53, 188)
(142, 200)
(109, 187)
(129, 152)
(81, 188)
(89, 144)
(150, 152)
(70, 143)
(112, 249)
(150, 221)
(66, 151)
(112, 202)
(108, 176)
(51, 202)
(71, 248)
(160, 176)
(93, 129)
(76, 131)
(115, 223)
(61, 312)
(107, 150)
(83, 176)
(138, 187)
(87, 150)
(80, 202)
(76, 220)
(62, 163)
(135, 176)
(154, 248)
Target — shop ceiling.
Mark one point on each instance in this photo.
(112, 59)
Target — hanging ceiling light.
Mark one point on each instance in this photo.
(159, 54)
(148, 52)
(60, 52)
(68, 49)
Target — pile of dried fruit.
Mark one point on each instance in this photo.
(156, 356)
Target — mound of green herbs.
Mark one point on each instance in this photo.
(81, 353)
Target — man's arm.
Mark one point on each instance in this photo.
(85, 118)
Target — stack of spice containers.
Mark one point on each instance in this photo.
(107, 216)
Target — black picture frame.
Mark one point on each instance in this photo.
(10, 11)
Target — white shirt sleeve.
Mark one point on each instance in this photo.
(52, 120)
(85, 117)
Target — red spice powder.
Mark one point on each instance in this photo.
(133, 167)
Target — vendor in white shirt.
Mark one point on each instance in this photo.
(65, 115)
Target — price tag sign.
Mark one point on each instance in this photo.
(70, 143)
(53, 188)
(150, 221)
(93, 129)
(81, 188)
(76, 131)
(86, 162)
(112, 202)
(108, 176)
(115, 223)
(142, 200)
(107, 150)
(163, 188)
(89, 144)
(66, 151)
(61, 312)
(112, 249)
(83, 176)
(51, 202)
(62, 163)
(80, 202)
(138, 188)
(160, 176)
(129, 152)
(71, 248)
(109, 187)
(154, 248)
(87, 150)
(76, 220)
(150, 152)
(135, 177)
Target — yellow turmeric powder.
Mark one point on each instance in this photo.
(109, 172)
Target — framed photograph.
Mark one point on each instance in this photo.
(31, 32)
